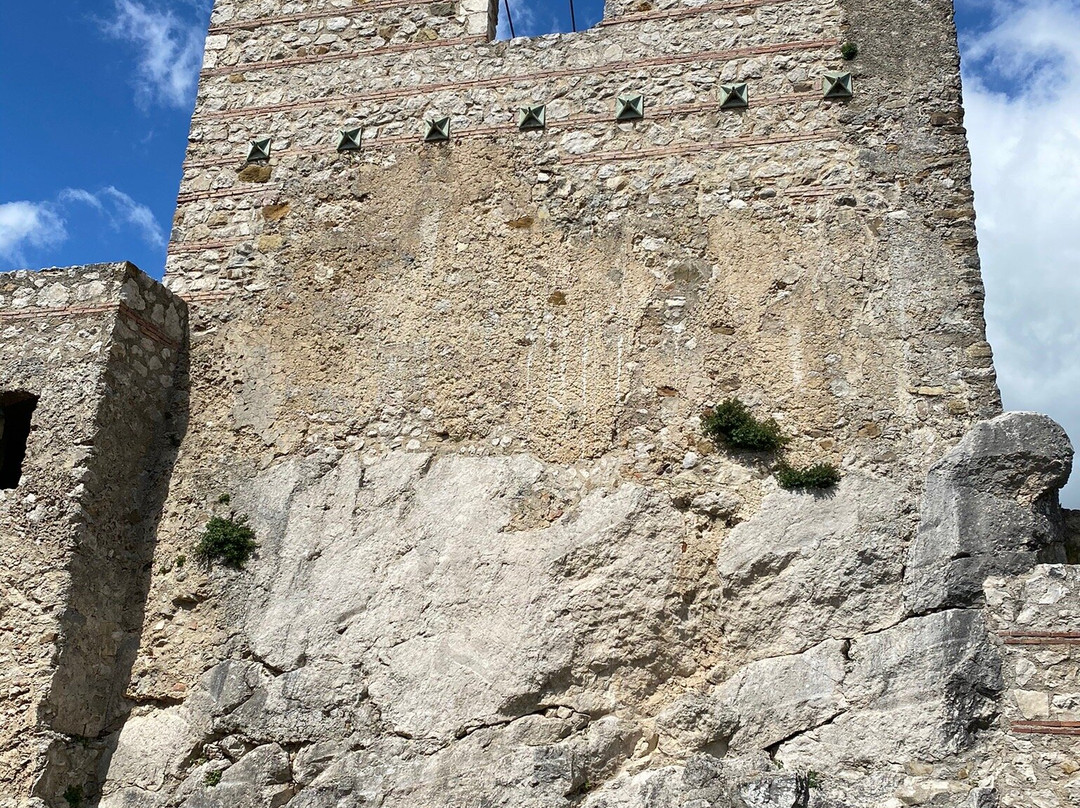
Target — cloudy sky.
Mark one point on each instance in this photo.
(94, 118)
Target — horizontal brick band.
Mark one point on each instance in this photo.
(322, 13)
(573, 122)
(199, 246)
(1040, 637)
(32, 312)
(811, 191)
(697, 148)
(209, 296)
(689, 11)
(1047, 727)
(275, 64)
(227, 193)
(143, 325)
(623, 65)
(385, 5)
(148, 329)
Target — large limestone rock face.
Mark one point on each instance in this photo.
(403, 636)
(916, 691)
(421, 631)
(806, 568)
(413, 586)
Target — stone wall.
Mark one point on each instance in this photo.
(457, 389)
(814, 257)
(1037, 620)
(100, 347)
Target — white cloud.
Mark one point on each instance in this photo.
(139, 216)
(28, 224)
(120, 209)
(170, 50)
(79, 195)
(1022, 95)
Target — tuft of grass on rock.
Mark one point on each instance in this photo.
(227, 541)
(212, 779)
(732, 424)
(817, 476)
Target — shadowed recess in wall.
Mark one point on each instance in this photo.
(16, 411)
(110, 578)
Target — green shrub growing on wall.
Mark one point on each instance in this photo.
(73, 796)
(227, 541)
(849, 50)
(731, 424)
(819, 475)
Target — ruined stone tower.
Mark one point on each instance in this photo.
(451, 312)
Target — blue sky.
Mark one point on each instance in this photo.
(95, 98)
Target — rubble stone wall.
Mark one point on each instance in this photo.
(1037, 621)
(99, 346)
(457, 388)
(814, 257)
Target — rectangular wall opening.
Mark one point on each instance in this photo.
(16, 410)
(530, 18)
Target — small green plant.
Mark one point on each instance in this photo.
(819, 475)
(73, 795)
(813, 779)
(849, 50)
(224, 499)
(227, 541)
(181, 560)
(732, 424)
(212, 778)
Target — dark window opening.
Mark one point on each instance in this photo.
(16, 410)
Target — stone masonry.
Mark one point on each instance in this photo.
(100, 348)
(457, 388)
(1036, 617)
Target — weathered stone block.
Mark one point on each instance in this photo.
(990, 508)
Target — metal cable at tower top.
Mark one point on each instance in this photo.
(573, 22)
(509, 19)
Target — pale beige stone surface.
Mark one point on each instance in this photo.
(458, 389)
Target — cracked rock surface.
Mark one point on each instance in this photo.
(990, 508)
(406, 639)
